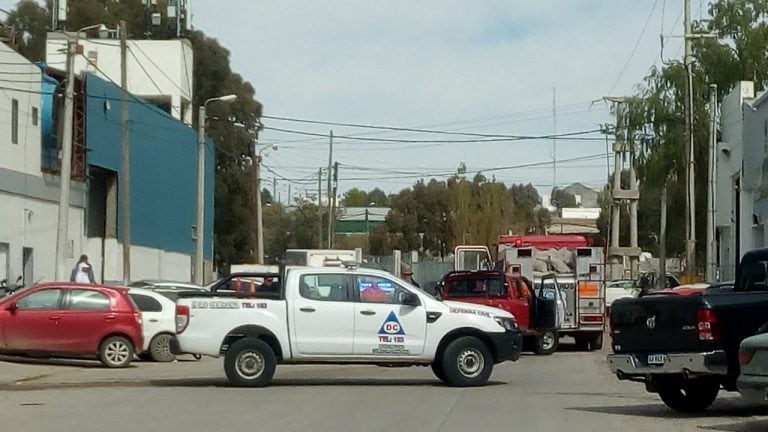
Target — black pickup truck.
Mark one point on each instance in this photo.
(683, 343)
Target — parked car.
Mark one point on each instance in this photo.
(536, 312)
(170, 289)
(72, 320)
(753, 380)
(683, 343)
(159, 317)
(618, 289)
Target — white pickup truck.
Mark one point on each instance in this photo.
(343, 315)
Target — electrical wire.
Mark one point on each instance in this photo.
(634, 48)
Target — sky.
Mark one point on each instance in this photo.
(484, 67)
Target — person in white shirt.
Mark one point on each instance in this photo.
(83, 272)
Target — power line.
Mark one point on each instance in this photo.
(634, 48)
(406, 141)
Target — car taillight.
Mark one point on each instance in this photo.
(137, 317)
(182, 318)
(745, 355)
(707, 325)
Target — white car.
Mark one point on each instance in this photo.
(620, 289)
(344, 315)
(159, 317)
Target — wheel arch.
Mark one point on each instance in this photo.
(462, 332)
(252, 331)
(136, 348)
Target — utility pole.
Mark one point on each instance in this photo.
(690, 205)
(663, 239)
(259, 220)
(125, 157)
(274, 190)
(319, 208)
(330, 204)
(711, 178)
(333, 201)
(62, 230)
(554, 139)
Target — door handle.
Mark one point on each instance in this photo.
(368, 312)
(109, 317)
(154, 320)
(54, 317)
(307, 309)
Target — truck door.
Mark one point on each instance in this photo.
(384, 326)
(323, 315)
(472, 258)
(546, 311)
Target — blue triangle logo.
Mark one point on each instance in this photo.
(391, 326)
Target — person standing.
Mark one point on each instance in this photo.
(407, 275)
(83, 272)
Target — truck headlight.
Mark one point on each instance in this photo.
(506, 323)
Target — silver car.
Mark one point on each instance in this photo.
(753, 381)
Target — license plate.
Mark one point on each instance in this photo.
(657, 359)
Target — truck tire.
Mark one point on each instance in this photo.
(250, 362)
(466, 362)
(596, 342)
(546, 343)
(437, 369)
(690, 396)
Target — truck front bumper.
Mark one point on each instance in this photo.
(629, 366)
(507, 345)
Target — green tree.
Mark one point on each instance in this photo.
(561, 199)
(29, 22)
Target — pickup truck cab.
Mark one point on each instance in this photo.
(535, 310)
(683, 343)
(344, 315)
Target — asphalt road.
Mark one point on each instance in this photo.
(567, 391)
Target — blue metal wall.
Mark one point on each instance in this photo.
(163, 168)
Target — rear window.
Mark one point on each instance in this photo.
(754, 274)
(88, 300)
(146, 303)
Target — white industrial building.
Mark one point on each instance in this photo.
(28, 198)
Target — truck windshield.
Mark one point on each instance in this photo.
(476, 287)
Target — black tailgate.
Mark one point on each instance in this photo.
(657, 324)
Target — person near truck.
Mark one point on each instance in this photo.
(407, 275)
(83, 272)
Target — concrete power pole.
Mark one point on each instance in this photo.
(125, 156)
(554, 139)
(333, 201)
(712, 192)
(319, 208)
(330, 201)
(690, 204)
(62, 230)
(259, 220)
(663, 239)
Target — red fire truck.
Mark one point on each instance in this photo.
(578, 267)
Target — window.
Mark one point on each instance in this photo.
(35, 116)
(14, 121)
(374, 289)
(754, 273)
(41, 300)
(477, 287)
(88, 300)
(146, 303)
(324, 287)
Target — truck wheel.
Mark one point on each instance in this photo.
(466, 362)
(546, 343)
(691, 396)
(250, 362)
(437, 369)
(596, 342)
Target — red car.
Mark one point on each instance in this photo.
(72, 320)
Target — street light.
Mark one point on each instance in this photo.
(259, 218)
(199, 240)
(62, 229)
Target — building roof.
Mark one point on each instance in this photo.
(375, 214)
(579, 187)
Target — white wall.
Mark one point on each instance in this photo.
(24, 78)
(27, 222)
(156, 68)
(146, 263)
